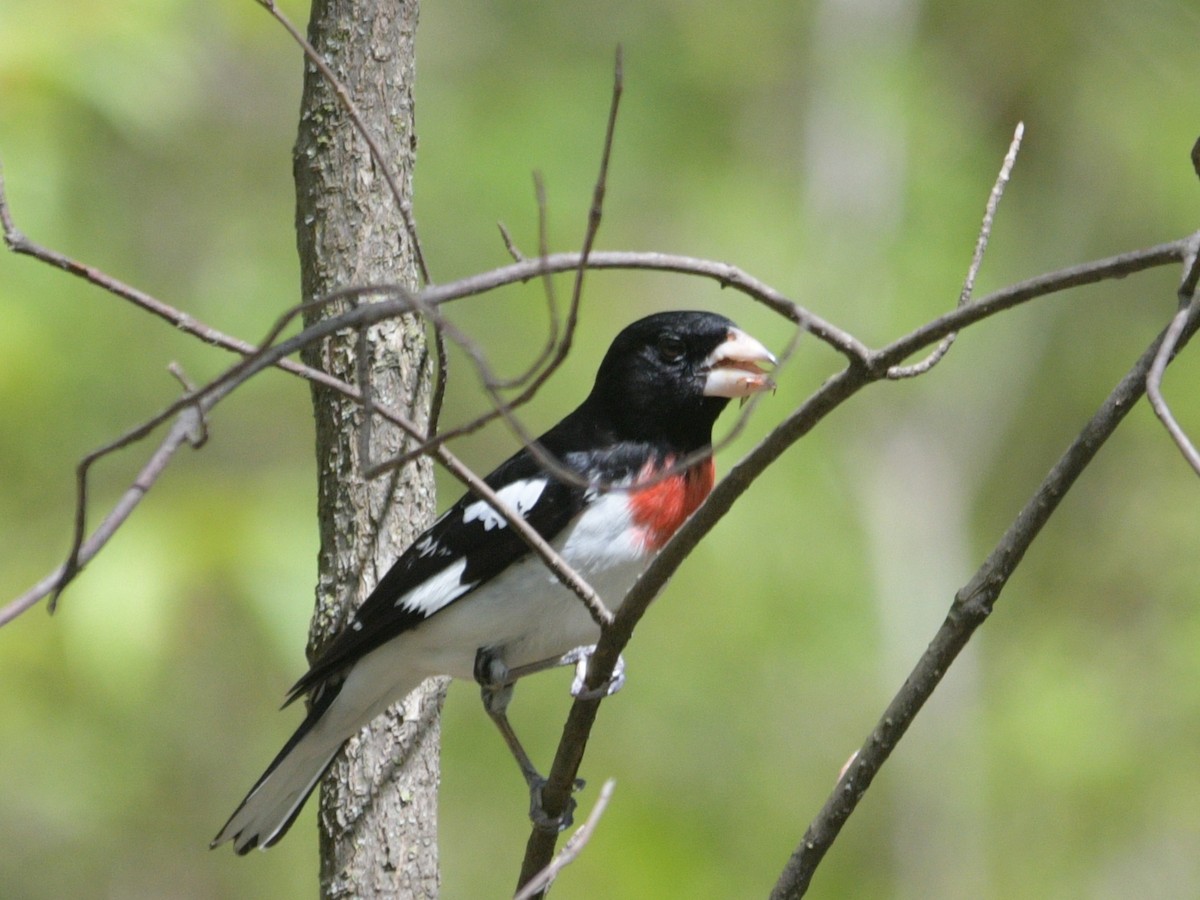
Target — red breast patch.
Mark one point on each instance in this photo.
(659, 510)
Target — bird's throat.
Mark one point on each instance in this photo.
(665, 503)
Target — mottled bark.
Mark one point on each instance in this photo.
(378, 811)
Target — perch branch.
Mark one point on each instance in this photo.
(255, 359)
(571, 850)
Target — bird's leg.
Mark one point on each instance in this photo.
(496, 681)
(496, 688)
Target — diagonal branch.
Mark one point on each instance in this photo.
(17, 242)
(557, 791)
(188, 425)
(971, 607)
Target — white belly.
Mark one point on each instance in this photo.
(525, 614)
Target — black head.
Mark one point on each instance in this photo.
(667, 377)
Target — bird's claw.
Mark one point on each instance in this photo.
(579, 689)
(541, 820)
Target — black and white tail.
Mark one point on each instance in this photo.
(268, 811)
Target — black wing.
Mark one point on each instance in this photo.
(486, 546)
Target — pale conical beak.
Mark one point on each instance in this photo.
(734, 370)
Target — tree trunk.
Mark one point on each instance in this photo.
(378, 810)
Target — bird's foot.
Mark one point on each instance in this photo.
(579, 657)
(541, 820)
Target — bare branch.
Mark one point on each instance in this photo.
(595, 215)
(730, 276)
(181, 321)
(1043, 285)
(971, 607)
(557, 791)
(439, 386)
(723, 273)
(1166, 352)
(571, 850)
(985, 232)
(509, 244)
(187, 426)
(206, 397)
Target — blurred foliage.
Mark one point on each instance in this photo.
(839, 151)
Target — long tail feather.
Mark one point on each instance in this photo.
(271, 806)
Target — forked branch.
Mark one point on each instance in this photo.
(970, 609)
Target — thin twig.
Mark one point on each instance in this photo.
(441, 381)
(17, 241)
(571, 849)
(1118, 266)
(556, 348)
(1189, 298)
(207, 396)
(595, 211)
(1154, 387)
(509, 244)
(192, 419)
(381, 161)
(981, 243)
(182, 432)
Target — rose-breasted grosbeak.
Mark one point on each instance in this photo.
(470, 600)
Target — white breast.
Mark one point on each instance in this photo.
(525, 613)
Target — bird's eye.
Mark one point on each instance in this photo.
(671, 347)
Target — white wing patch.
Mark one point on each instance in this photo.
(520, 495)
(427, 546)
(436, 592)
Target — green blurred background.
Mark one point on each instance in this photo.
(840, 151)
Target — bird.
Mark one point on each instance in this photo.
(469, 599)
